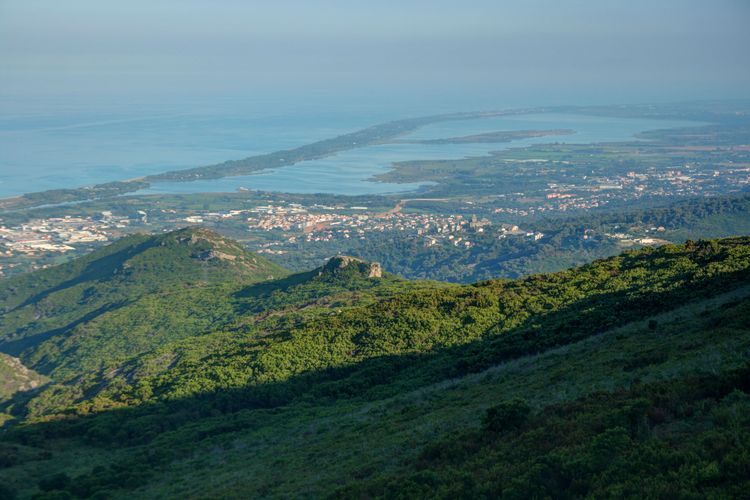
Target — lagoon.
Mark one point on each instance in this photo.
(350, 172)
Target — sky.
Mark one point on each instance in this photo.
(514, 51)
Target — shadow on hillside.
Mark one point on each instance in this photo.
(267, 288)
(223, 411)
(15, 347)
(308, 288)
(98, 269)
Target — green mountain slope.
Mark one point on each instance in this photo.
(336, 382)
(151, 262)
(38, 305)
(118, 342)
(322, 353)
(120, 301)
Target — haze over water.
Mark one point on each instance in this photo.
(99, 91)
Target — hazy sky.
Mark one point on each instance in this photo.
(529, 51)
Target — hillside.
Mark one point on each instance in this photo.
(86, 348)
(341, 382)
(36, 305)
(15, 377)
(69, 312)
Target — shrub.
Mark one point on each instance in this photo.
(507, 415)
(59, 481)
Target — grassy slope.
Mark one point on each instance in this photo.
(122, 300)
(118, 346)
(55, 301)
(315, 450)
(325, 395)
(42, 304)
(311, 348)
(109, 359)
(508, 317)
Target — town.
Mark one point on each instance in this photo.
(278, 226)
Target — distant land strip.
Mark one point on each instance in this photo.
(490, 137)
(376, 134)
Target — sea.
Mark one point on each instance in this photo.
(68, 145)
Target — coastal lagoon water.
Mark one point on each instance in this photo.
(350, 172)
(53, 148)
(69, 147)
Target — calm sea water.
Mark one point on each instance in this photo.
(59, 147)
(68, 147)
(350, 172)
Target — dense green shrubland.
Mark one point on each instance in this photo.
(625, 364)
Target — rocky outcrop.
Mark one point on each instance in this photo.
(337, 264)
(375, 270)
(15, 377)
(215, 254)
